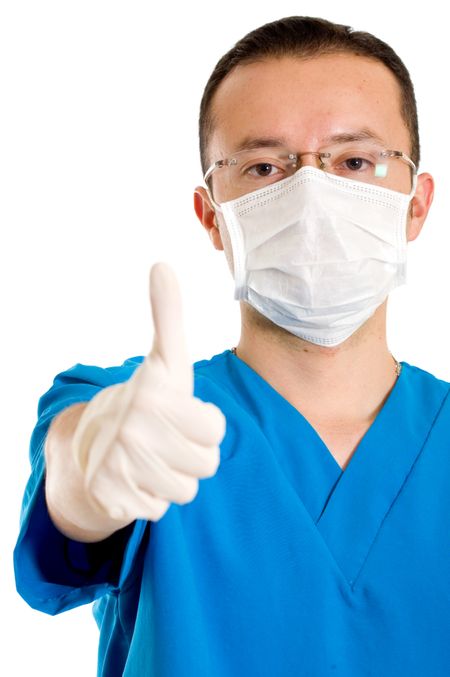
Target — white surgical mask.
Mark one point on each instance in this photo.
(316, 253)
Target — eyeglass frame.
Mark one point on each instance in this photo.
(228, 162)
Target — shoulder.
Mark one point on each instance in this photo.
(81, 381)
(216, 377)
(215, 368)
(420, 376)
(423, 391)
(96, 375)
(86, 378)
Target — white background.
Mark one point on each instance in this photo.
(98, 159)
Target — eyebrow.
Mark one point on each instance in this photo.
(364, 134)
(357, 135)
(250, 143)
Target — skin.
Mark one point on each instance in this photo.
(301, 102)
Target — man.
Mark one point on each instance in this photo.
(319, 546)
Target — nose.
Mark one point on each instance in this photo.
(310, 158)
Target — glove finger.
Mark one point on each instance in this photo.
(169, 343)
(152, 475)
(201, 422)
(116, 496)
(157, 436)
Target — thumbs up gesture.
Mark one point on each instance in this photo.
(145, 443)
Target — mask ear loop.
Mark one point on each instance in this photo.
(215, 204)
(414, 186)
(412, 194)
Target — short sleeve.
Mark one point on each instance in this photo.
(54, 573)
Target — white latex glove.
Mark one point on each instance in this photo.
(144, 443)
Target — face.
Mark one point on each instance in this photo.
(303, 104)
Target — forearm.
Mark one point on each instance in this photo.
(71, 509)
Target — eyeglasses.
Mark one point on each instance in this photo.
(249, 170)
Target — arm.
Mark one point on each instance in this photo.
(136, 446)
(113, 463)
(53, 571)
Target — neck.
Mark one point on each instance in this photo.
(340, 387)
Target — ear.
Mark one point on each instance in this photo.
(420, 205)
(207, 216)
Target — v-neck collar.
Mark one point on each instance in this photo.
(301, 454)
(347, 506)
(379, 468)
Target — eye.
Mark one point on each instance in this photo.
(263, 169)
(357, 164)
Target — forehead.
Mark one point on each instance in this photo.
(302, 102)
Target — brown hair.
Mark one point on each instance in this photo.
(308, 37)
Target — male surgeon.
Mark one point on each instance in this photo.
(319, 545)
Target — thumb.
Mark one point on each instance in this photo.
(169, 341)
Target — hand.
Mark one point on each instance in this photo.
(145, 443)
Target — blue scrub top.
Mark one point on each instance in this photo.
(283, 565)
